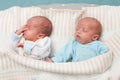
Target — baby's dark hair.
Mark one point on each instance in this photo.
(46, 25)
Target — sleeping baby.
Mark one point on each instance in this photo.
(85, 45)
(33, 38)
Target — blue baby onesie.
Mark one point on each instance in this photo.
(75, 51)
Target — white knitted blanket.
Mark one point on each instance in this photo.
(16, 67)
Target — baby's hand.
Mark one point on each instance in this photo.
(21, 30)
(48, 60)
(20, 45)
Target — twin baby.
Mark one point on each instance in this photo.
(37, 43)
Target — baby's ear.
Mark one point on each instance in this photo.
(95, 37)
(41, 35)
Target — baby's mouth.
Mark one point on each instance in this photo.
(77, 36)
(24, 32)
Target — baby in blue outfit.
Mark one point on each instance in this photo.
(85, 45)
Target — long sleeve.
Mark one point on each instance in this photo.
(41, 48)
(102, 48)
(64, 54)
(14, 40)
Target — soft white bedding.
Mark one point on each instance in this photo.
(63, 22)
(94, 65)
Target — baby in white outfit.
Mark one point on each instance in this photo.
(33, 37)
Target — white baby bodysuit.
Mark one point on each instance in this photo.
(39, 49)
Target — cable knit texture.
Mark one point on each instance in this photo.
(63, 29)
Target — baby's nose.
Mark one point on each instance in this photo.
(25, 25)
(78, 32)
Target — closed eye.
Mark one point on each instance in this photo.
(84, 30)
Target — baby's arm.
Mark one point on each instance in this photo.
(64, 54)
(20, 45)
(21, 30)
(48, 60)
(14, 39)
(43, 48)
(40, 49)
(16, 36)
(102, 48)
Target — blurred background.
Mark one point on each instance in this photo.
(4, 4)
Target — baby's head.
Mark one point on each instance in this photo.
(88, 29)
(37, 27)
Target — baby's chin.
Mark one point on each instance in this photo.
(30, 39)
(82, 42)
(78, 40)
(26, 38)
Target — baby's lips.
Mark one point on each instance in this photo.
(77, 36)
